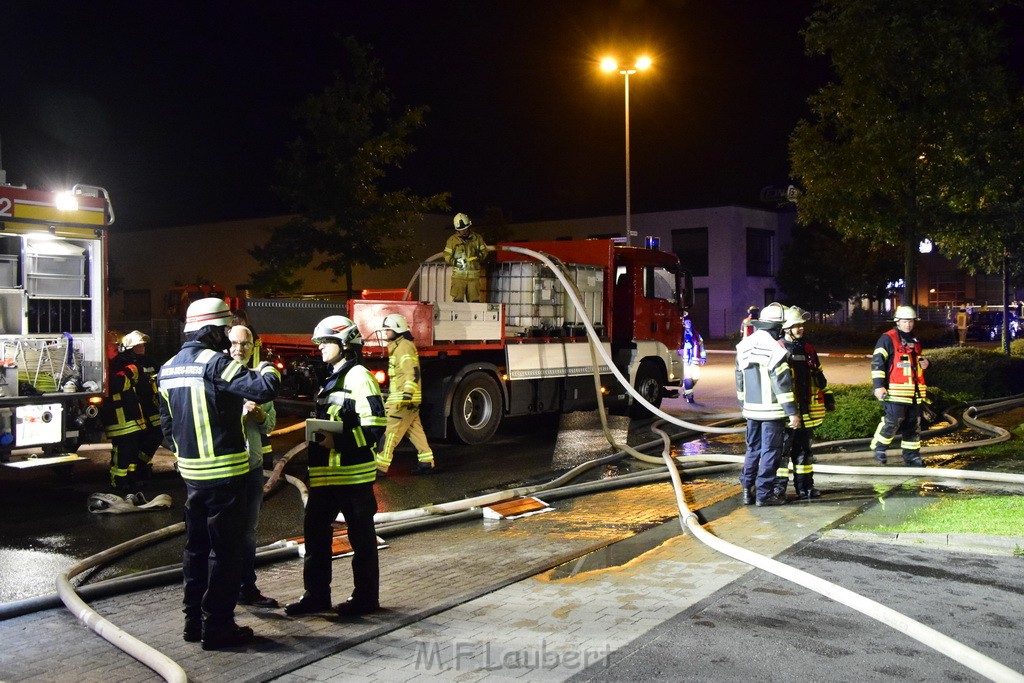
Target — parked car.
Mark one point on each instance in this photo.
(988, 326)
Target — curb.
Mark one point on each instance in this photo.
(999, 545)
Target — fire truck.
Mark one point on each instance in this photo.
(53, 251)
(526, 351)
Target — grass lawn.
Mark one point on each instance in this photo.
(991, 515)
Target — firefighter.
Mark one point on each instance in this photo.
(764, 387)
(897, 374)
(342, 469)
(813, 398)
(202, 391)
(123, 420)
(694, 355)
(747, 326)
(134, 346)
(403, 404)
(465, 252)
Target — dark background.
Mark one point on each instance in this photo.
(182, 110)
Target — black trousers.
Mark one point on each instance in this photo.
(358, 503)
(214, 544)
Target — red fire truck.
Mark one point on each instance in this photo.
(526, 351)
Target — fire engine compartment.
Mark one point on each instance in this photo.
(52, 327)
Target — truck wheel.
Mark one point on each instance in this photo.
(476, 408)
(650, 379)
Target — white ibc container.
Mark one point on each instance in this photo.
(589, 280)
(531, 294)
(435, 281)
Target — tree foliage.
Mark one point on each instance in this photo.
(893, 148)
(350, 139)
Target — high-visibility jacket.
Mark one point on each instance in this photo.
(764, 381)
(121, 413)
(404, 372)
(896, 367)
(202, 391)
(809, 384)
(467, 250)
(350, 396)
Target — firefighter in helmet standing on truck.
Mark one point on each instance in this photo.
(897, 374)
(342, 469)
(465, 252)
(403, 404)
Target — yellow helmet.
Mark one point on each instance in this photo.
(461, 222)
(133, 339)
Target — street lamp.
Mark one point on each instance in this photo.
(610, 65)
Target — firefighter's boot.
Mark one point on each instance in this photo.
(749, 496)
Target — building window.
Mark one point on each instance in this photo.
(760, 252)
(946, 289)
(691, 246)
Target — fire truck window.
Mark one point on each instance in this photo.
(660, 284)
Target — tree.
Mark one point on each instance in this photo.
(816, 273)
(894, 135)
(350, 139)
(991, 215)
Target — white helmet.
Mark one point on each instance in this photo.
(133, 339)
(396, 322)
(794, 316)
(337, 328)
(905, 313)
(773, 313)
(208, 311)
(461, 222)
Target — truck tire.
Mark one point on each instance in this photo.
(650, 380)
(476, 408)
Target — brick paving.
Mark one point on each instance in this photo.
(459, 600)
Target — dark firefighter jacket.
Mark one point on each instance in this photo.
(121, 412)
(350, 396)
(202, 390)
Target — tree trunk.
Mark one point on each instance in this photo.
(910, 273)
(1006, 305)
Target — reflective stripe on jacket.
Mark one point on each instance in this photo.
(764, 381)
(202, 391)
(472, 250)
(404, 372)
(350, 396)
(121, 413)
(896, 367)
(809, 383)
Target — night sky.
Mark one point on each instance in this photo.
(182, 109)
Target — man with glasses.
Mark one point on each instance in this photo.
(258, 420)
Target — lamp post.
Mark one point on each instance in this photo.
(610, 65)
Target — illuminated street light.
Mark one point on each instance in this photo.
(610, 65)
